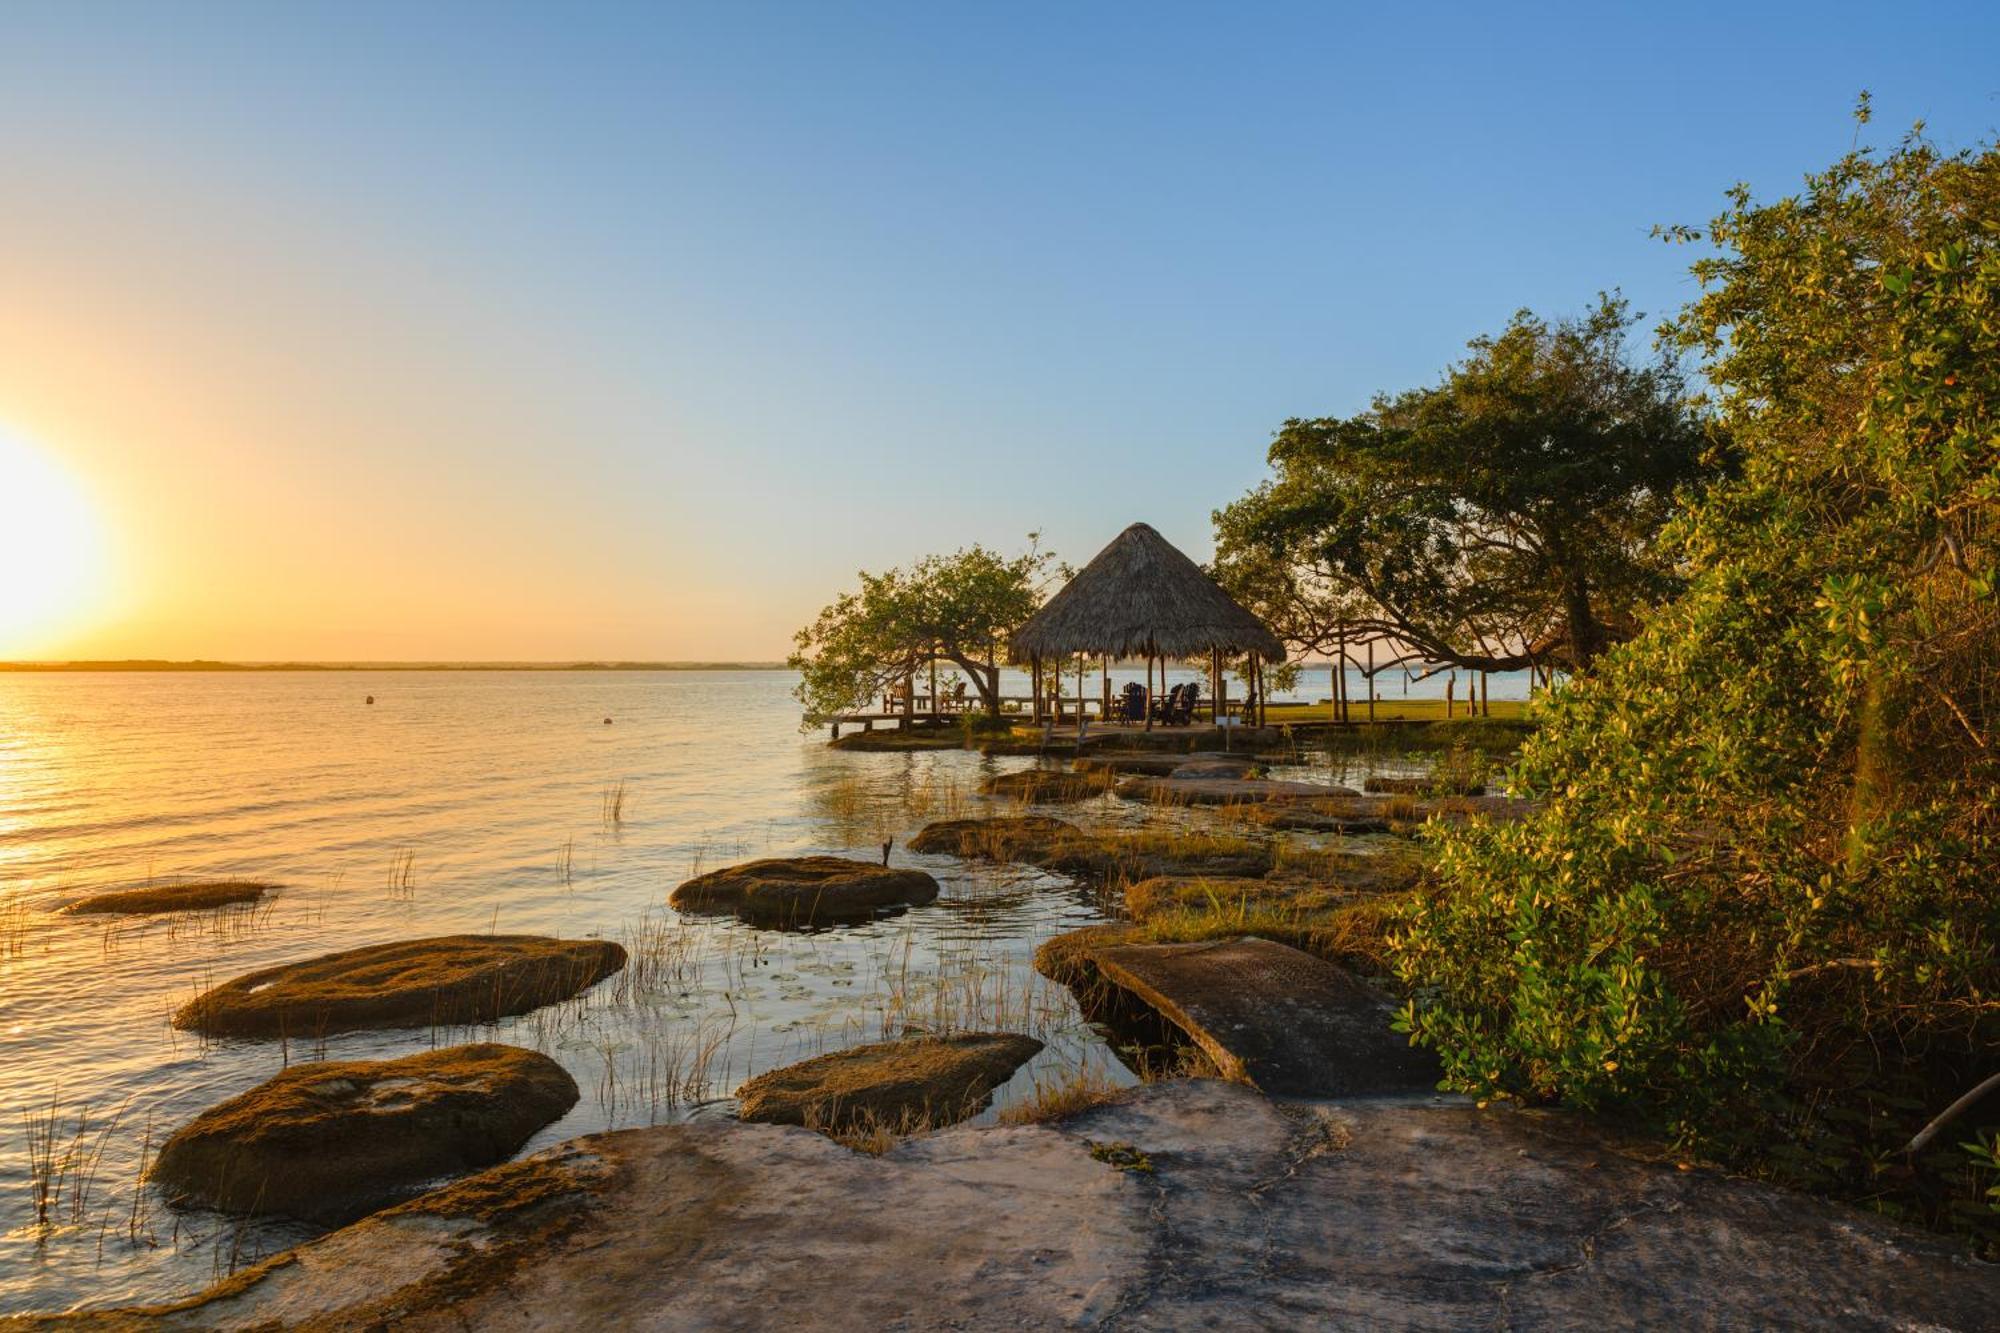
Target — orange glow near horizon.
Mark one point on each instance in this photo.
(52, 565)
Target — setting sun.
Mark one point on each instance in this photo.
(50, 546)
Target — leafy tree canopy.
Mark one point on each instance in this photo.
(1502, 517)
(958, 608)
(1758, 904)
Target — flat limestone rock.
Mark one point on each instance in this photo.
(992, 839)
(1175, 790)
(194, 896)
(1185, 1204)
(806, 890)
(1272, 1016)
(1212, 767)
(916, 1081)
(332, 1140)
(1047, 786)
(445, 981)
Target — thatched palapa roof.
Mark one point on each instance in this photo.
(1142, 597)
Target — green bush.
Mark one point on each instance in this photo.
(1758, 909)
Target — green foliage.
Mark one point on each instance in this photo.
(1758, 907)
(958, 608)
(1503, 517)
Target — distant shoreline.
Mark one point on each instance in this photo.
(149, 664)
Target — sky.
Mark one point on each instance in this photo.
(492, 332)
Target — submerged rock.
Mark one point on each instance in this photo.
(199, 895)
(449, 980)
(1047, 786)
(918, 1081)
(333, 1140)
(1413, 1213)
(805, 890)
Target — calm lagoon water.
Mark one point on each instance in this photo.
(457, 802)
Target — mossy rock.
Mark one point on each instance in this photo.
(449, 980)
(1066, 959)
(1053, 844)
(805, 890)
(333, 1140)
(1149, 899)
(194, 896)
(1047, 786)
(1144, 853)
(918, 1082)
(1228, 789)
(1311, 817)
(1001, 839)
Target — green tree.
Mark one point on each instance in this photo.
(958, 608)
(1502, 518)
(1758, 903)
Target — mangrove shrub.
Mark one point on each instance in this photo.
(1762, 903)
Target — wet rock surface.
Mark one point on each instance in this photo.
(1185, 1204)
(917, 1081)
(805, 890)
(445, 981)
(332, 1140)
(1436, 785)
(196, 896)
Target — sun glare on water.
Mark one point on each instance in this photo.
(51, 551)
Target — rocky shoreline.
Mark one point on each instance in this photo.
(1187, 1203)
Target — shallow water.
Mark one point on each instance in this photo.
(457, 802)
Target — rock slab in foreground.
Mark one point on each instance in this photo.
(1273, 1016)
(1384, 1214)
(805, 890)
(446, 981)
(915, 1081)
(333, 1140)
(195, 896)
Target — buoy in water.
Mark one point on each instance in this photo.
(371, 698)
(607, 721)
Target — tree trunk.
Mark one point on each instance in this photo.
(984, 679)
(1882, 762)
(1586, 635)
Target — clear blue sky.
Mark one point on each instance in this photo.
(650, 325)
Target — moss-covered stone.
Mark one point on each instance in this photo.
(918, 1081)
(805, 890)
(449, 980)
(1047, 786)
(193, 896)
(1066, 849)
(333, 1140)
(992, 839)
